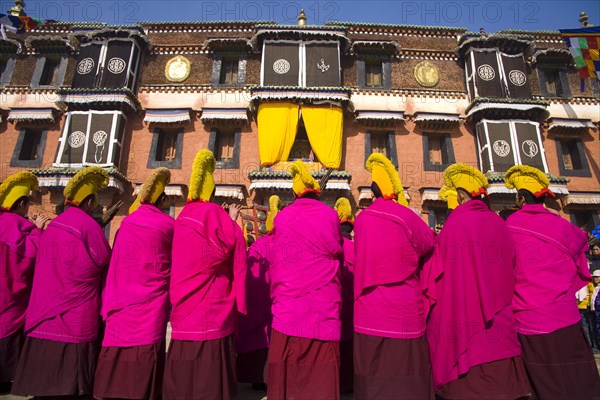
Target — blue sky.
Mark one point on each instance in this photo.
(491, 15)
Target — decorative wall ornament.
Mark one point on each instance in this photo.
(178, 69)
(486, 72)
(85, 66)
(322, 66)
(530, 148)
(426, 74)
(116, 65)
(517, 77)
(281, 66)
(76, 139)
(501, 148)
(99, 139)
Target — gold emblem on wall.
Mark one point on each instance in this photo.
(426, 74)
(177, 69)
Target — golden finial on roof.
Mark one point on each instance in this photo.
(302, 18)
(583, 18)
(17, 9)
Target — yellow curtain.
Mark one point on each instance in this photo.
(324, 127)
(277, 127)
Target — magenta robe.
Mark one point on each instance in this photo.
(391, 242)
(471, 322)
(551, 268)
(208, 274)
(136, 295)
(65, 299)
(19, 243)
(255, 327)
(305, 283)
(347, 282)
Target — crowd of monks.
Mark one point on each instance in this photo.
(378, 305)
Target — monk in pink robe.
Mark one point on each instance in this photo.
(135, 304)
(19, 243)
(472, 332)
(551, 267)
(305, 288)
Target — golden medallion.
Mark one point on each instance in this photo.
(177, 69)
(426, 74)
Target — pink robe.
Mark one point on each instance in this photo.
(19, 243)
(305, 283)
(347, 282)
(551, 268)
(136, 295)
(471, 322)
(391, 242)
(255, 327)
(65, 299)
(208, 274)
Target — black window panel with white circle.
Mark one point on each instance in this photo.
(281, 64)
(87, 67)
(492, 73)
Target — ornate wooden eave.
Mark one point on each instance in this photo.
(10, 46)
(53, 44)
(399, 30)
(507, 43)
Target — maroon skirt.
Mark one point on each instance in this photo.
(388, 368)
(561, 364)
(301, 368)
(10, 347)
(504, 379)
(200, 370)
(130, 372)
(49, 368)
(251, 366)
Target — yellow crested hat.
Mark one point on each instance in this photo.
(274, 207)
(85, 183)
(344, 210)
(386, 177)
(202, 182)
(462, 176)
(303, 182)
(16, 186)
(528, 178)
(152, 188)
(449, 195)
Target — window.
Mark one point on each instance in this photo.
(296, 63)
(502, 144)
(91, 137)
(492, 73)
(7, 65)
(374, 72)
(301, 149)
(554, 82)
(30, 148)
(110, 63)
(587, 220)
(229, 70)
(571, 157)
(49, 71)
(438, 152)
(166, 147)
(225, 144)
(383, 142)
(436, 216)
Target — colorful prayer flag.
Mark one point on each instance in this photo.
(584, 44)
(19, 24)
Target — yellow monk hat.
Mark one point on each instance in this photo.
(344, 210)
(462, 176)
(85, 183)
(528, 178)
(16, 186)
(449, 195)
(152, 188)
(303, 182)
(386, 177)
(274, 207)
(202, 182)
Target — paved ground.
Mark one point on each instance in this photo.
(246, 392)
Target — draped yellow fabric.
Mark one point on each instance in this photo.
(277, 127)
(324, 129)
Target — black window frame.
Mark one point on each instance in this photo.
(176, 162)
(16, 162)
(386, 72)
(446, 146)
(6, 74)
(217, 65)
(432, 218)
(585, 171)
(39, 71)
(564, 81)
(391, 145)
(594, 212)
(234, 163)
